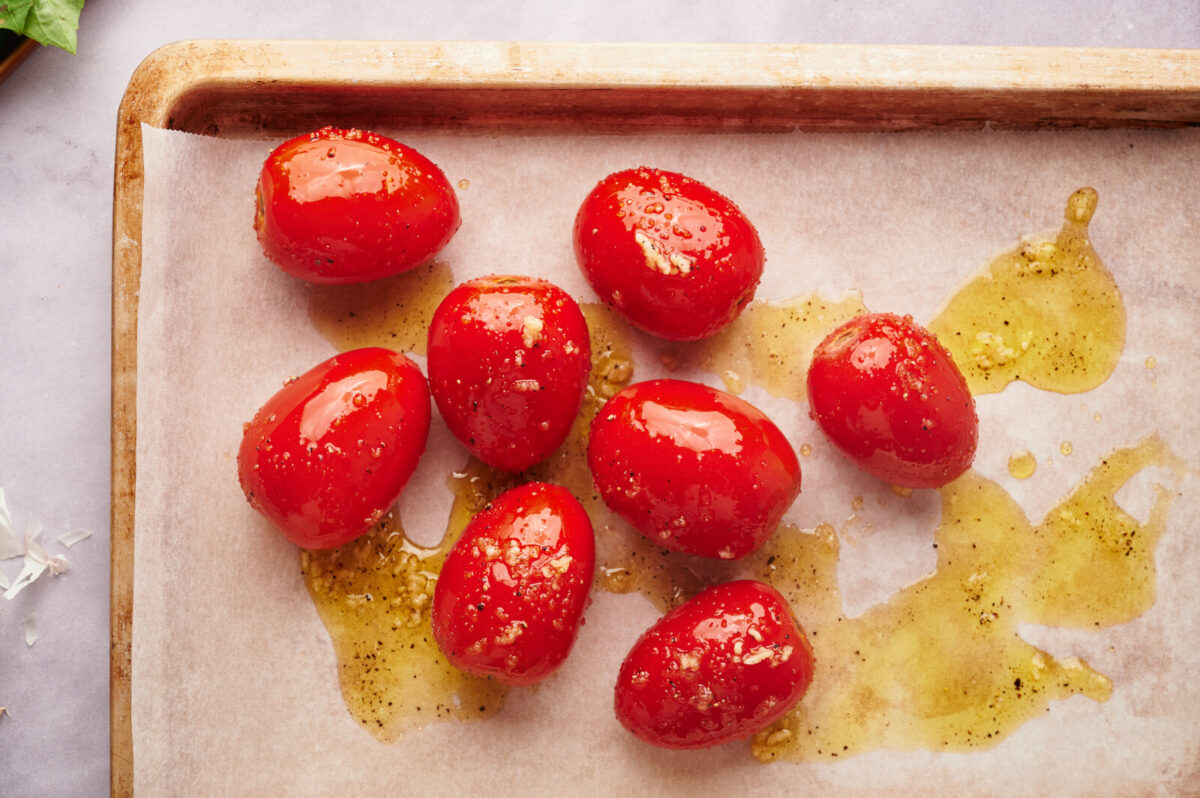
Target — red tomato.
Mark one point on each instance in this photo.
(347, 206)
(328, 454)
(671, 255)
(692, 468)
(718, 668)
(508, 363)
(892, 400)
(510, 598)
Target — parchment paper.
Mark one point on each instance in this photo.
(235, 688)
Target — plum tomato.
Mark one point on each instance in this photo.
(328, 454)
(510, 598)
(508, 364)
(891, 398)
(724, 665)
(692, 468)
(347, 206)
(668, 253)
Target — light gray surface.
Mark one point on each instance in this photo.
(57, 132)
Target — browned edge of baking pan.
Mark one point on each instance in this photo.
(256, 88)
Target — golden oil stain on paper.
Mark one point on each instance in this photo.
(770, 344)
(1047, 312)
(373, 595)
(1022, 464)
(940, 665)
(393, 313)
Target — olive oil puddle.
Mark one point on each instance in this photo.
(769, 345)
(1047, 312)
(393, 313)
(373, 595)
(939, 666)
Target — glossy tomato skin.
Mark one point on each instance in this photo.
(891, 398)
(509, 358)
(692, 468)
(668, 253)
(328, 454)
(347, 206)
(722, 666)
(510, 598)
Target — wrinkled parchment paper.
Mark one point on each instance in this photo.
(235, 688)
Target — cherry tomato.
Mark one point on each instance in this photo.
(692, 468)
(668, 253)
(508, 363)
(510, 598)
(724, 665)
(892, 400)
(347, 206)
(328, 454)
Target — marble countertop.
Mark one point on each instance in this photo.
(57, 133)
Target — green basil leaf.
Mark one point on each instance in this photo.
(51, 22)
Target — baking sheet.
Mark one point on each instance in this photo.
(234, 680)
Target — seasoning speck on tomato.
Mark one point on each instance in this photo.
(724, 665)
(510, 597)
(668, 253)
(509, 358)
(348, 206)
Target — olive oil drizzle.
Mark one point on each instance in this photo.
(373, 595)
(393, 313)
(939, 665)
(770, 344)
(1047, 312)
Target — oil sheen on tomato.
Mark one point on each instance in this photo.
(978, 681)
